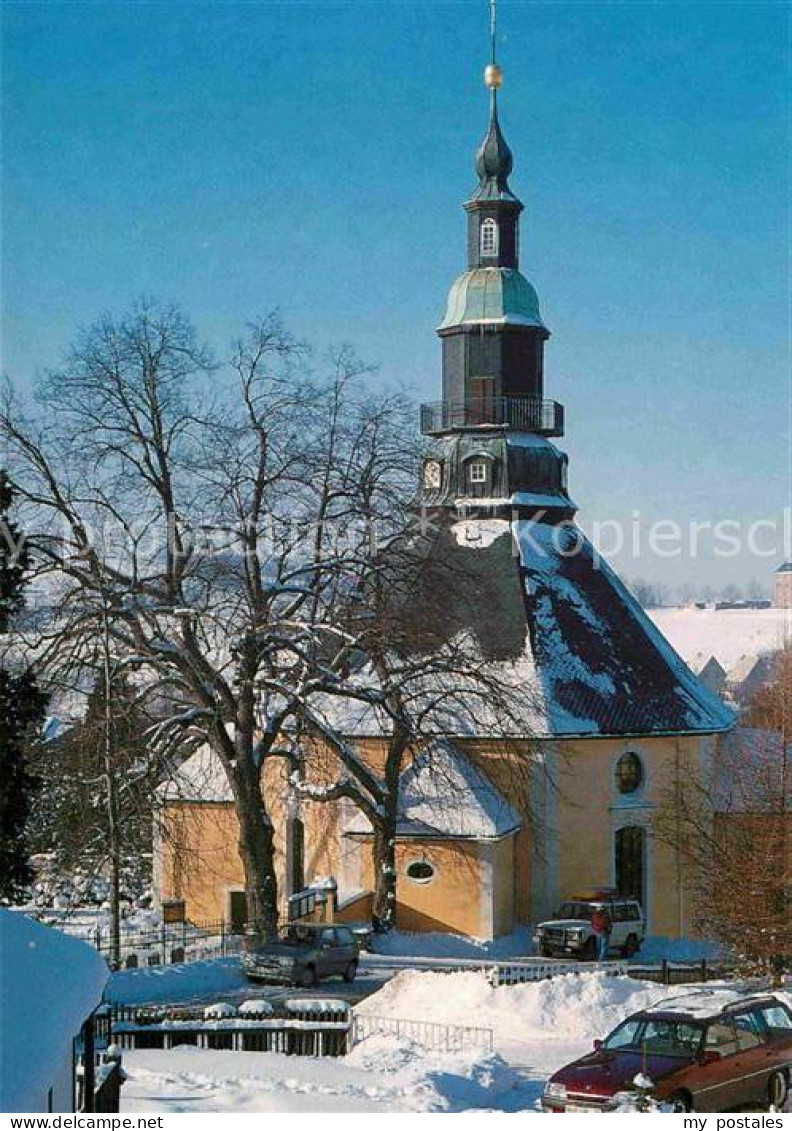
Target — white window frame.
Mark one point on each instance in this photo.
(477, 471)
(490, 237)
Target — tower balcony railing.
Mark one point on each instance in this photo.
(523, 414)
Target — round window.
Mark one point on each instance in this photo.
(629, 773)
(420, 871)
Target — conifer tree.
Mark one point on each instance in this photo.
(21, 709)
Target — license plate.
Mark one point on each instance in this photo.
(583, 1107)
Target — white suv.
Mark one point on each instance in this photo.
(570, 933)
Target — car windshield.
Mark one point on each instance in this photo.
(575, 911)
(296, 935)
(656, 1036)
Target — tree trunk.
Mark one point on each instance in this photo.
(383, 909)
(257, 851)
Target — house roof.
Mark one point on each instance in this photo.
(200, 777)
(747, 665)
(49, 985)
(442, 794)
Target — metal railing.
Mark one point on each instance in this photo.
(296, 1028)
(536, 970)
(428, 1034)
(523, 414)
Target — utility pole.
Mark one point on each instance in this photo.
(111, 797)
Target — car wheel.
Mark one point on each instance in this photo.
(308, 978)
(680, 1101)
(777, 1091)
(351, 972)
(631, 946)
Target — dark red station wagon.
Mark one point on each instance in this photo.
(708, 1051)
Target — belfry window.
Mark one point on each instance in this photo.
(477, 471)
(489, 237)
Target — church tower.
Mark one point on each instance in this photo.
(489, 450)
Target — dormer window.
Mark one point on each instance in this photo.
(477, 471)
(489, 237)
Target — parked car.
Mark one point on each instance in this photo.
(704, 1051)
(303, 954)
(569, 932)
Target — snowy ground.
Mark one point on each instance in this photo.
(728, 634)
(401, 944)
(536, 1029)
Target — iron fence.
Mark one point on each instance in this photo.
(428, 1034)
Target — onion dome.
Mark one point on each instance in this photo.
(494, 161)
(492, 295)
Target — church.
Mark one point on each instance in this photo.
(617, 714)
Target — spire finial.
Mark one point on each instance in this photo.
(493, 75)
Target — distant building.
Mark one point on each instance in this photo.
(749, 675)
(783, 586)
(713, 675)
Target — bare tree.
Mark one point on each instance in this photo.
(430, 660)
(734, 830)
(212, 516)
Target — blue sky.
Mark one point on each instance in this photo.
(313, 157)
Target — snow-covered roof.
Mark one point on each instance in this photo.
(565, 634)
(751, 771)
(49, 984)
(441, 793)
(602, 664)
(200, 777)
(748, 665)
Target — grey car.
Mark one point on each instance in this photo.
(302, 955)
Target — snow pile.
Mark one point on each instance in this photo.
(188, 981)
(316, 1005)
(219, 1011)
(255, 1007)
(571, 1007)
(382, 1074)
(49, 985)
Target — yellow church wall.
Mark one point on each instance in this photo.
(591, 809)
(199, 862)
(566, 842)
(452, 901)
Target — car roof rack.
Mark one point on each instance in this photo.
(702, 992)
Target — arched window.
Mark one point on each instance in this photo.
(629, 773)
(630, 862)
(420, 872)
(489, 237)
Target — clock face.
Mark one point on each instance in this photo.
(433, 474)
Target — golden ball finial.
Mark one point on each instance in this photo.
(493, 76)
